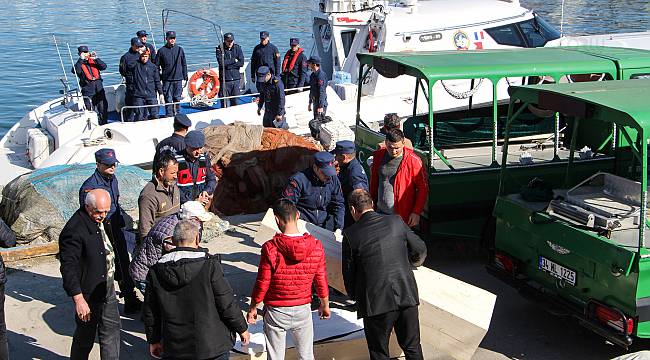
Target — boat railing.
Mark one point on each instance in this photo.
(190, 67)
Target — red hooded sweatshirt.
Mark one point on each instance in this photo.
(288, 266)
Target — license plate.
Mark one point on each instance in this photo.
(556, 270)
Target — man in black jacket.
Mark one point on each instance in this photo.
(378, 253)
(190, 311)
(88, 268)
(173, 71)
(88, 68)
(147, 86)
(127, 63)
(233, 60)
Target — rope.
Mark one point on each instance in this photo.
(94, 142)
(201, 100)
(462, 95)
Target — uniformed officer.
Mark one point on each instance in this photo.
(265, 54)
(196, 181)
(127, 63)
(294, 66)
(176, 142)
(88, 68)
(316, 191)
(272, 98)
(317, 88)
(142, 35)
(233, 59)
(104, 178)
(351, 173)
(173, 71)
(146, 88)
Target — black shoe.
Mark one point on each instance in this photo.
(132, 304)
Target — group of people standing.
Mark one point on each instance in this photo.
(149, 73)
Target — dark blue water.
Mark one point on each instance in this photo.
(30, 67)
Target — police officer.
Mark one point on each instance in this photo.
(127, 63)
(351, 173)
(146, 88)
(233, 59)
(294, 66)
(88, 68)
(173, 71)
(142, 35)
(316, 191)
(104, 178)
(272, 98)
(196, 181)
(265, 54)
(317, 88)
(176, 142)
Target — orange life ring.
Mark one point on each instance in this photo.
(206, 82)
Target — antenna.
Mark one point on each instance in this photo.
(83, 102)
(562, 20)
(153, 38)
(65, 75)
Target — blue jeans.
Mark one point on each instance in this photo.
(145, 113)
(173, 91)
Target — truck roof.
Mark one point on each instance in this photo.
(624, 102)
(498, 63)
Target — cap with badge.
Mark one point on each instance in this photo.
(195, 139)
(228, 36)
(294, 41)
(262, 71)
(106, 156)
(325, 162)
(141, 33)
(136, 42)
(82, 49)
(264, 35)
(170, 35)
(314, 59)
(344, 147)
(183, 120)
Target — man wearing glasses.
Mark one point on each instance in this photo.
(104, 178)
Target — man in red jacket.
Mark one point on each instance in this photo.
(398, 182)
(289, 264)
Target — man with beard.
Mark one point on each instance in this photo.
(160, 197)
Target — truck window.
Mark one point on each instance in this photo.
(347, 38)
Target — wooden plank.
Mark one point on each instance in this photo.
(29, 251)
(454, 315)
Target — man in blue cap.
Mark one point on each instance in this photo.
(230, 60)
(127, 64)
(265, 54)
(351, 173)
(142, 35)
(294, 66)
(176, 142)
(104, 178)
(317, 88)
(88, 68)
(146, 88)
(196, 181)
(316, 191)
(173, 71)
(272, 98)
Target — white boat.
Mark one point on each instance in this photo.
(61, 131)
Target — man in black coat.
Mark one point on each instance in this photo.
(378, 254)
(146, 88)
(173, 71)
(265, 54)
(88, 68)
(233, 60)
(190, 311)
(88, 269)
(127, 63)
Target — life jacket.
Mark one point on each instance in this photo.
(293, 60)
(90, 70)
(185, 172)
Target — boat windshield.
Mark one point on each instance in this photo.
(535, 32)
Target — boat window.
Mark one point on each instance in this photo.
(347, 37)
(506, 35)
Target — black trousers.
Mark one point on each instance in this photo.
(230, 88)
(105, 323)
(407, 330)
(4, 347)
(98, 103)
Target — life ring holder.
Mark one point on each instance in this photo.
(200, 83)
(372, 41)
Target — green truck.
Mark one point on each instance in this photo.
(575, 236)
(457, 122)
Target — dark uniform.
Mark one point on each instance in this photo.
(194, 176)
(127, 63)
(351, 175)
(320, 203)
(265, 55)
(317, 92)
(146, 86)
(272, 98)
(113, 223)
(176, 142)
(294, 67)
(92, 84)
(173, 70)
(149, 46)
(233, 59)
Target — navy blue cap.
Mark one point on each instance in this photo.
(136, 42)
(82, 49)
(261, 73)
(195, 139)
(170, 35)
(325, 162)
(141, 33)
(294, 41)
(228, 36)
(105, 156)
(314, 59)
(264, 35)
(183, 120)
(344, 147)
